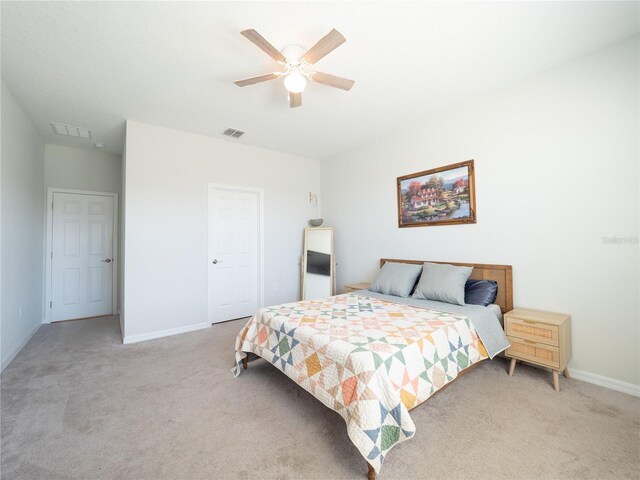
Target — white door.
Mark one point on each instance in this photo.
(234, 229)
(82, 256)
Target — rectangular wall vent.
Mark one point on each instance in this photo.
(232, 132)
(71, 131)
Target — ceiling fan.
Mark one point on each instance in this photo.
(297, 65)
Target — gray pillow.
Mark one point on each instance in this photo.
(442, 282)
(396, 279)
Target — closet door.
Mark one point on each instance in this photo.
(234, 229)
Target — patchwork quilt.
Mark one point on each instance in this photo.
(368, 359)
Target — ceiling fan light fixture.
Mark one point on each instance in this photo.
(295, 82)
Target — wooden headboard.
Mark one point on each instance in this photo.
(499, 273)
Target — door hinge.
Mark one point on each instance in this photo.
(51, 205)
(50, 304)
(51, 253)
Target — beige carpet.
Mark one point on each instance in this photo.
(78, 404)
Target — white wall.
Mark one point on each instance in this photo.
(80, 169)
(166, 178)
(22, 227)
(83, 169)
(556, 171)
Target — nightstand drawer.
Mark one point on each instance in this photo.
(530, 330)
(534, 352)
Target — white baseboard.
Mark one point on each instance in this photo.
(607, 382)
(165, 333)
(16, 351)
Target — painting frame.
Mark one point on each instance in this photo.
(429, 218)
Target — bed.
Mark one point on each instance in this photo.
(373, 357)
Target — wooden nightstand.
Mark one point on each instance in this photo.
(539, 338)
(352, 287)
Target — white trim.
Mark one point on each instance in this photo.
(165, 333)
(49, 242)
(606, 382)
(260, 192)
(7, 361)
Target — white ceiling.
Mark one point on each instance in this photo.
(95, 64)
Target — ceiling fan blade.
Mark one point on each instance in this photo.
(332, 80)
(265, 46)
(295, 99)
(252, 80)
(325, 45)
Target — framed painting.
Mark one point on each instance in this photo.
(440, 196)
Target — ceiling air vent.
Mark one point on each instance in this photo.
(232, 132)
(71, 131)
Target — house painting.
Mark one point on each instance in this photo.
(441, 196)
(426, 197)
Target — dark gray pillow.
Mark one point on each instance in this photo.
(443, 283)
(480, 292)
(396, 279)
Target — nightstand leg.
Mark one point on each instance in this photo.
(371, 474)
(565, 372)
(512, 367)
(556, 382)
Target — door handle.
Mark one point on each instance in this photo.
(107, 260)
(216, 261)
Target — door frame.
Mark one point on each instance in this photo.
(48, 281)
(260, 192)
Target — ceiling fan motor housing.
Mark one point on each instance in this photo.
(293, 54)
